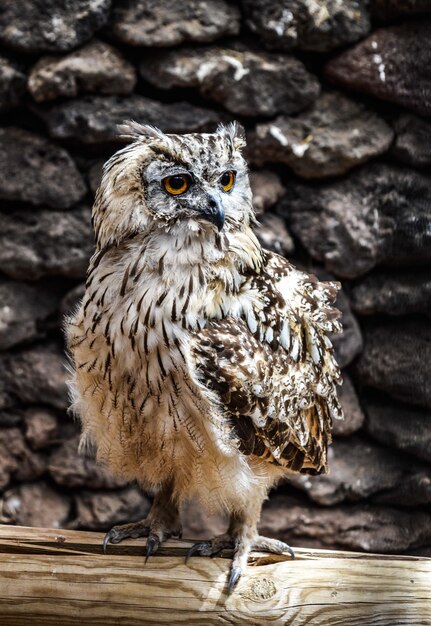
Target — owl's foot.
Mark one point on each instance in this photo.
(155, 532)
(161, 523)
(241, 546)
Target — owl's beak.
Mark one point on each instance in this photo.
(213, 211)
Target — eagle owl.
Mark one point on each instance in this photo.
(202, 366)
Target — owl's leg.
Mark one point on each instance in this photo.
(242, 537)
(162, 522)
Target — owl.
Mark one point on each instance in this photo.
(202, 367)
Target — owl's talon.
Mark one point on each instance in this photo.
(235, 575)
(153, 543)
(202, 548)
(106, 540)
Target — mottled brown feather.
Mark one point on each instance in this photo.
(252, 373)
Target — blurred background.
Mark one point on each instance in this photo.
(335, 98)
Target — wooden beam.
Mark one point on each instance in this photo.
(60, 577)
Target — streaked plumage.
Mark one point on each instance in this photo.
(202, 366)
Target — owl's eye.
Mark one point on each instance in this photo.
(176, 185)
(227, 180)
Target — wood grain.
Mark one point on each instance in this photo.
(61, 577)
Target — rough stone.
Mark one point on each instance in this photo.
(12, 84)
(329, 139)
(356, 527)
(94, 119)
(41, 428)
(393, 293)
(414, 490)
(354, 416)
(72, 299)
(394, 358)
(97, 67)
(23, 310)
(360, 469)
(387, 220)
(267, 190)
(100, 510)
(394, 9)
(37, 171)
(95, 175)
(51, 25)
(307, 25)
(33, 244)
(10, 417)
(169, 23)
(34, 376)
(391, 64)
(349, 343)
(399, 426)
(273, 234)
(412, 140)
(17, 460)
(74, 470)
(244, 82)
(36, 504)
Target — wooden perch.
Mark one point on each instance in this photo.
(61, 577)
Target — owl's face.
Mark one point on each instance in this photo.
(189, 184)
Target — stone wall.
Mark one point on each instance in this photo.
(334, 97)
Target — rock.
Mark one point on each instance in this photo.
(169, 23)
(399, 426)
(393, 293)
(97, 67)
(94, 119)
(391, 64)
(413, 490)
(23, 310)
(307, 25)
(354, 416)
(36, 504)
(244, 82)
(394, 9)
(393, 360)
(273, 234)
(10, 417)
(37, 171)
(95, 175)
(349, 344)
(359, 469)
(17, 459)
(12, 84)
(412, 140)
(354, 527)
(45, 243)
(8, 463)
(98, 510)
(72, 299)
(34, 376)
(41, 428)
(51, 25)
(267, 190)
(71, 469)
(388, 219)
(329, 139)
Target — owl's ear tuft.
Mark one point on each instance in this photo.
(138, 132)
(234, 132)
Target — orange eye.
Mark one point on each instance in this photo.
(227, 180)
(177, 184)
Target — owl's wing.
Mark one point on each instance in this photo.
(272, 366)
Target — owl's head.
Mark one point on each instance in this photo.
(185, 184)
